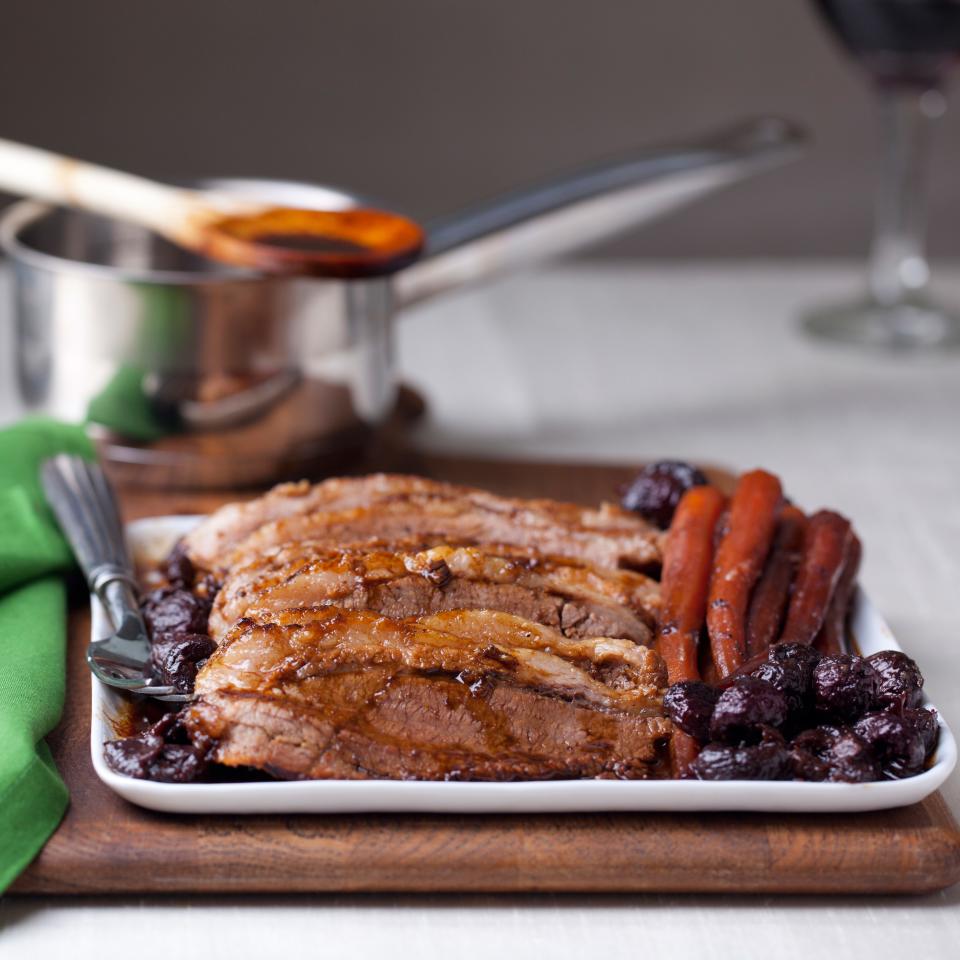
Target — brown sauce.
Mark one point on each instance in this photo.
(346, 244)
(133, 716)
(310, 243)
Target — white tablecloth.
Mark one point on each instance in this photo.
(625, 363)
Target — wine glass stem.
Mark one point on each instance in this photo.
(898, 270)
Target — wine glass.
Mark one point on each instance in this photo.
(906, 47)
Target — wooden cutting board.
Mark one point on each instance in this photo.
(106, 845)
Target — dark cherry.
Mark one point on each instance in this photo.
(132, 756)
(926, 723)
(744, 709)
(179, 763)
(655, 492)
(175, 610)
(179, 569)
(832, 753)
(176, 657)
(852, 760)
(161, 752)
(901, 683)
(789, 667)
(898, 745)
(767, 760)
(808, 753)
(800, 658)
(844, 686)
(788, 677)
(689, 704)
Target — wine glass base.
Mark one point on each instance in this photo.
(906, 326)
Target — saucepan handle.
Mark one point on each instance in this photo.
(592, 205)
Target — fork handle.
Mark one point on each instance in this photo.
(86, 507)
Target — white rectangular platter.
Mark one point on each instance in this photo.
(152, 538)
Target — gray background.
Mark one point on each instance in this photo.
(433, 104)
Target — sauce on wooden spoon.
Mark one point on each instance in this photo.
(359, 242)
(328, 243)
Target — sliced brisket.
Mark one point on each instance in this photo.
(463, 695)
(578, 601)
(391, 508)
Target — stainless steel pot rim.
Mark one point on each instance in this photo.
(23, 214)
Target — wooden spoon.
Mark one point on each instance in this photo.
(357, 242)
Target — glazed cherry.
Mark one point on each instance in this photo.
(844, 686)
(767, 760)
(179, 569)
(161, 752)
(926, 724)
(799, 658)
(833, 753)
(174, 610)
(898, 745)
(789, 678)
(656, 490)
(689, 704)
(809, 751)
(901, 683)
(744, 709)
(178, 763)
(176, 657)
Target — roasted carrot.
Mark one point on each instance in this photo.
(683, 584)
(683, 751)
(826, 543)
(686, 574)
(832, 635)
(754, 510)
(768, 605)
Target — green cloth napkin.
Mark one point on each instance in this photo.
(33, 554)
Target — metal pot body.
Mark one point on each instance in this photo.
(190, 374)
(187, 373)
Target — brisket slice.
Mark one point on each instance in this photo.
(392, 507)
(578, 601)
(350, 694)
(216, 536)
(436, 521)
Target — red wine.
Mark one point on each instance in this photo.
(899, 41)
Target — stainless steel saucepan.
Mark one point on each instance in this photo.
(192, 374)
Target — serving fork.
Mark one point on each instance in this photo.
(86, 507)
